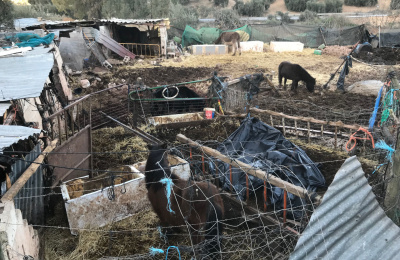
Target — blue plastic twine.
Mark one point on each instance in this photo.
(373, 117)
(155, 251)
(382, 145)
(168, 187)
(166, 257)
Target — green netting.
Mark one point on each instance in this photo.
(209, 35)
(31, 39)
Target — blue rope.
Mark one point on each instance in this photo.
(166, 257)
(382, 145)
(373, 117)
(168, 187)
(155, 251)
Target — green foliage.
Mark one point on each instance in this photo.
(337, 21)
(180, 16)
(252, 8)
(284, 17)
(296, 5)
(314, 6)
(308, 16)
(227, 19)
(6, 13)
(395, 4)
(334, 6)
(222, 3)
(361, 2)
(329, 6)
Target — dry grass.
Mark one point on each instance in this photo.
(124, 148)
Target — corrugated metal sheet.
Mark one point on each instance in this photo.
(24, 77)
(29, 199)
(131, 21)
(349, 223)
(10, 134)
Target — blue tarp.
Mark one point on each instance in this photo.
(31, 39)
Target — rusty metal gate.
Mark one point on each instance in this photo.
(73, 158)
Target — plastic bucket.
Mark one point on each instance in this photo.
(210, 113)
(317, 52)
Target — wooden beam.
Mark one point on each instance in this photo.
(276, 181)
(305, 119)
(17, 186)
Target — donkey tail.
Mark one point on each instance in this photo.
(218, 40)
(213, 243)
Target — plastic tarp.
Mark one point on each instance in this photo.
(390, 38)
(207, 35)
(31, 39)
(264, 147)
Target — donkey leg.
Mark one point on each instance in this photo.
(234, 46)
(295, 83)
(284, 84)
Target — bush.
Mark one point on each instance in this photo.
(222, 3)
(285, 18)
(333, 6)
(6, 13)
(361, 2)
(395, 4)
(180, 16)
(252, 8)
(317, 7)
(308, 16)
(337, 21)
(329, 6)
(227, 19)
(296, 5)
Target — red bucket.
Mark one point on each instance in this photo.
(210, 113)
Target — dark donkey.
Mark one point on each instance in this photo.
(230, 38)
(197, 203)
(295, 73)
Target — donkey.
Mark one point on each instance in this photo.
(197, 203)
(230, 38)
(295, 73)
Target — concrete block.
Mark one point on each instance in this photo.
(209, 49)
(286, 46)
(253, 46)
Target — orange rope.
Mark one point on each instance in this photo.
(353, 139)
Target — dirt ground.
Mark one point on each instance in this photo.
(381, 56)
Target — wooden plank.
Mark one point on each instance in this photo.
(305, 119)
(276, 181)
(17, 186)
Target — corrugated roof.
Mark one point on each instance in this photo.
(349, 223)
(24, 77)
(132, 21)
(10, 134)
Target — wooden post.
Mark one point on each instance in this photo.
(276, 181)
(393, 188)
(335, 137)
(322, 130)
(272, 123)
(308, 132)
(283, 126)
(19, 184)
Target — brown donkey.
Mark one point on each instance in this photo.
(230, 38)
(198, 204)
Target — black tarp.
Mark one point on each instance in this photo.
(390, 37)
(264, 147)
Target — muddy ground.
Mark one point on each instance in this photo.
(381, 56)
(325, 105)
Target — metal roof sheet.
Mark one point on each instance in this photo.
(10, 134)
(349, 223)
(132, 21)
(24, 77)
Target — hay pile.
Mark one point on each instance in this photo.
(336, 50)
(134, 235)
(113, 147)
